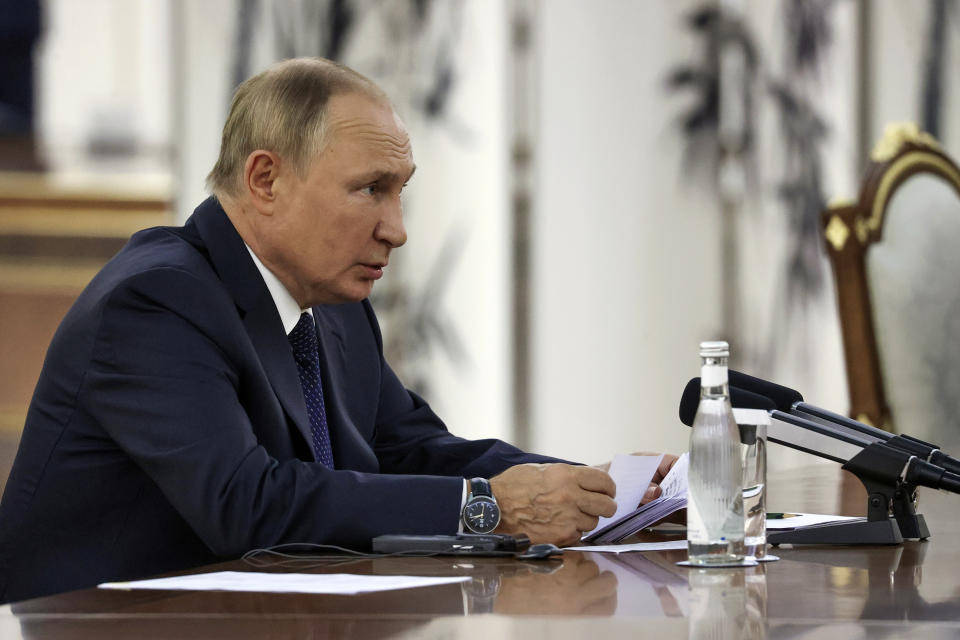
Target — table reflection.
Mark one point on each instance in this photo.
(650, 585)
(571, 584)
(728, 603)
(879, 583)
(577, 587)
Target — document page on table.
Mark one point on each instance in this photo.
(777, 521)
(327, 583)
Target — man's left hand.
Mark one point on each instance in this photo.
(653, 491)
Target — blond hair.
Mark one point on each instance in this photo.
(282, 110)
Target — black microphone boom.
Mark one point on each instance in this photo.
(929, 452)
(821, 440)
(791, 401)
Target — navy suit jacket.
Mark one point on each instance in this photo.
(168, 428)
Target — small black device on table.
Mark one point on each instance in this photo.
(465, 544)
(460, 544)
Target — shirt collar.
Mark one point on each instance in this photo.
(287, 307)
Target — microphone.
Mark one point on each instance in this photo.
(790, 401)
(739, 398)
(884, 461)
(821, 440)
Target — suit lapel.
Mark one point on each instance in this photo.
(266, 332)
(239, 274)
(350, 450)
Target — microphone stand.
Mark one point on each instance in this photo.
(885, 468)
(882, 470)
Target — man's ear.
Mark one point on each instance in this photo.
(260, 174)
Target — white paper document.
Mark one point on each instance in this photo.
(639, 546)
(673, 498)
(632, 475)
(326, 583)
(781, 521)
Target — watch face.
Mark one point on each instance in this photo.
(481, 515)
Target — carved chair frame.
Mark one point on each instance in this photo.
(850, 229)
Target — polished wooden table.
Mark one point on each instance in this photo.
(910, 590)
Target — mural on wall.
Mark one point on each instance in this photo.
(719, 33)
(409, 48)
(720, 131)
(733, 80)
(932, 90)
(804, 129)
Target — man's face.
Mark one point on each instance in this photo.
(331, 232)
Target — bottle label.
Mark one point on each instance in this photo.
(713, 376)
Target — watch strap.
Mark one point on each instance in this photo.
(480, 487)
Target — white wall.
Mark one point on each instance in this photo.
(625, 256)
(104, 65)
(461, 189)
(203, 36)
(627, 246)
(897, 49)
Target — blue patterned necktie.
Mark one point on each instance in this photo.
(306, 352)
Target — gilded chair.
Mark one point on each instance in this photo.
(896, 261)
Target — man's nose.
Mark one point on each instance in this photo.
(390, 229)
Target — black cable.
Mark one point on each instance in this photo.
(283, 558)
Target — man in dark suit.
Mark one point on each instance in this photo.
(220, 386)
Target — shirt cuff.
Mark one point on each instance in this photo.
(463, 503)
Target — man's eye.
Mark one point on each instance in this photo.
(371, 189)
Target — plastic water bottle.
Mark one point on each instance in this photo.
(715, 478)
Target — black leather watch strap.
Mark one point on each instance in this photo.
(480, 487)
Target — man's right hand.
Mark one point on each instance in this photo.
(553, 503)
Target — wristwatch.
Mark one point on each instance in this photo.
(481, 513)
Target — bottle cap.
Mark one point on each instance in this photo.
(715, 349)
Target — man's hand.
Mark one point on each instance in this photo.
(653, 491)
(552, 502)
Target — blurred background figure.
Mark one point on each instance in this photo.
(20, 25)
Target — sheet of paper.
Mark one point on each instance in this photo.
(632, 475)
(800, 520)
(638, 546)
(327, 583)
(674, 484)
(673, 498)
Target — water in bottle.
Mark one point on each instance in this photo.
(715, 478)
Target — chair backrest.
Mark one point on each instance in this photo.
(896, 260)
